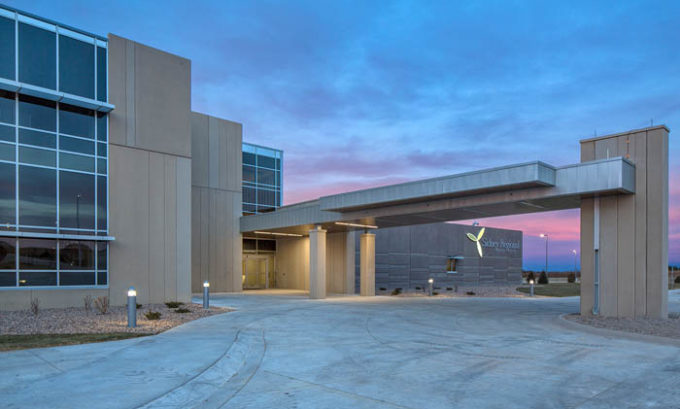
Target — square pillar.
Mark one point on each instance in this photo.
(367, 266)
(317, 263)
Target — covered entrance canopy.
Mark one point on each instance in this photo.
(621, 186)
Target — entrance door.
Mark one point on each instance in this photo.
(255, 272)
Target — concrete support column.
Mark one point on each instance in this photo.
(317, 263)
(350, 264)
(367, 267)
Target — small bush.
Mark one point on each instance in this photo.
(396, 291)
(87, 302)
(102, 304)
(174, 304)
(153, 315)
(35, 307)
(530, 277)
(435, 293)
(470, 292)
(139, 306)
(383, 289)
(418, 288)
(449, 288)
(571, 278)
(543, 278)
(182, 310)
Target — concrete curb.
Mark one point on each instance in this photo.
(610, 333)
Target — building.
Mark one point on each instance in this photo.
(109, 180)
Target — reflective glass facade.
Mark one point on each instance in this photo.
(53, 156)
(262, 179)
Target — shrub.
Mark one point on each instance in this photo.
(139, 306)
(418, 288)
(571, 278)
(677, 279)
(449, 288)
(173, 304)
(396, 291)
(531, 276)
(543, 278)
(470, 293)
(435, 293)
(35, 307)
(87, 302)
(153, 315)
(182, 310)
(383, 289)
(102, 304)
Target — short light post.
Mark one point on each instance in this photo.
(430, 283)
(132, 307)
(206, 295)
(531, 291)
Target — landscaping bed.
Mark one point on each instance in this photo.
(553, 290)
(460, 291)
(72, 325)
(669, 328)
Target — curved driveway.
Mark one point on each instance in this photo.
(353, 352)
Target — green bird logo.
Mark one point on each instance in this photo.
(476, 239)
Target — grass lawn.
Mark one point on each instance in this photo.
(15, 342)
(554, 290)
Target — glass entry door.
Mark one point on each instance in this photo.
(255, 272)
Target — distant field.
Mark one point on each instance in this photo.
(554, 290)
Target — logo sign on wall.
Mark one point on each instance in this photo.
(476, 239)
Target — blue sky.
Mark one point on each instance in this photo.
(361, 94)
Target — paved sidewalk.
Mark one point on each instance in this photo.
(286, 351)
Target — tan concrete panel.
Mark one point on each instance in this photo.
(156, 227)
(183, 220)
(657, 223)
(162, 101)
(335, 262)
(231, 155)
(292, 258)
(587, 151)
(117, 89)
(587, 257)
(367, 264)
(196, 278)
(639, 157)
(317, 263)
(350, 263)
(626, 256)
(608, 255)
(199, 149)
(237, 242)
(21, 299)
(129, 222)
(606, 148)
(170, 231)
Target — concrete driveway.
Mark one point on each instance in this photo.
(352, 352)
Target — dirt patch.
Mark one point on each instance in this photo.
(79, 321)
(669, 328)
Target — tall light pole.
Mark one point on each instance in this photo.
(545, 236)
(574, 252)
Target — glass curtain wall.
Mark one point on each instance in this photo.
(262, 176)
(53, 158)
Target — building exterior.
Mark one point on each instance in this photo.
(262, 179)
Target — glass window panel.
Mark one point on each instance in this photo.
(278, 179)
(76, 162)
(37, 138)
(37, 278)
(101, 278)
(76, 67)
(76, 255)
(37, 196)
(265, 176)
(266, 245)
(249, 209)
(249, 158)
(101, 203)
(278, 198)
(37, 113)
(76, 145)
(37, 254)
(67, 278)
(7, 103)
(102, 256)
(249, 195)
(101, 166)
(278, 164)
(7, 133)
(7, 42)
(7, 194)
(266, 162)
(101, 126)
(76, 200)
(35, 156)
(76, 121)
(249, 244)
(248, 173)
(101, 74)
(8, 278)
(101, 149)
(7, 152)
(8, 253)
(266, 197)
(37, 56)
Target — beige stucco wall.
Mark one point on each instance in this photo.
(633, 229)
(216, 203)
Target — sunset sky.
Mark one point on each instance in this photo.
(361, 94)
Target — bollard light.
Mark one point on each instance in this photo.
(132, 307)
(206, 295)
(532, 287)
(430, 282)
